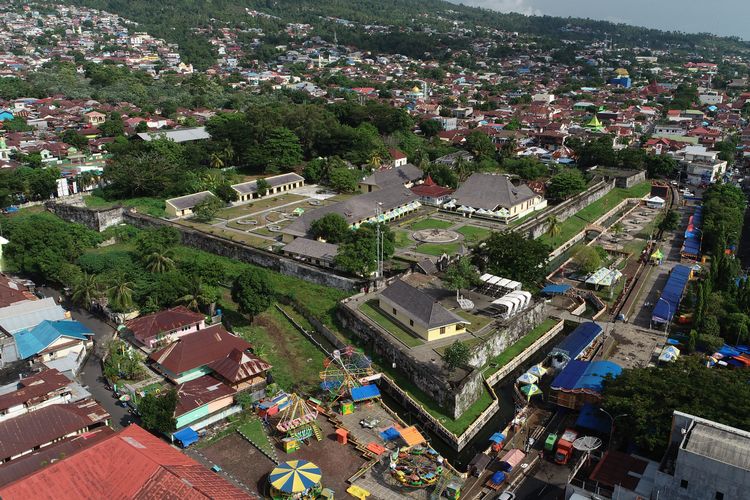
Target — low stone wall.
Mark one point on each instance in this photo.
(244, 253)
(73, 210)
(507, 334)
(537, 226)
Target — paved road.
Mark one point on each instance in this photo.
(91, 373)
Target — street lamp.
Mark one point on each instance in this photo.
(612, 425)
(669, 313)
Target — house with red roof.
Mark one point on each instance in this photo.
(430, 193)
(163, 327)
(32, 393)
(129, 464)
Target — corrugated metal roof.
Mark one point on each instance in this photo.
(422, 308)
(720, 444)
(32, 341)
(30, 313)
(177, 135)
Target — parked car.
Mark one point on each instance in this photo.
(369, 423)
(506, 495)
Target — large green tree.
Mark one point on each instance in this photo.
(510, 255)
(649, 396)
(157, 411)
(566, 184)
(331, 227)
(253, 292)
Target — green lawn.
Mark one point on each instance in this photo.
(514, 350)
(372, 311)
(430, 224)
(150, 206)
(469, 342)
(477, 321)
(438, 249)
(254, 430)
(264, 204)
(474, 234)
(296, 361)
(402, 239)
(576, 223)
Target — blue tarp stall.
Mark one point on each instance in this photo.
(555, 289)
(666, 305)
(577, 341)
(390, 434)
(185, 437)
(498, 477)
(497, 437)
(691, 247)
(365, 393)
(593, 419)
(593, 378)
(567, 379)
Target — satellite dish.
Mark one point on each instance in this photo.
(587, 443)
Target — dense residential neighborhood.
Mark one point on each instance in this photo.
(302, 250)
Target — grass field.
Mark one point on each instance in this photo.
(474, 234)
(576, 223)
(296, 361)
(150, 206)
(402, 239)
(477, 321)
(438, 249)
(372, 311)
(254, 430)
(514, 350)
(259, 205)
(430, 224)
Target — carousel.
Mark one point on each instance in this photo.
(416, 466)
(295, 479)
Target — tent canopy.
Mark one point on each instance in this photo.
(555, 289)
(364, 393)
(666, 305)
(578, 340)
(295, 476)
(186, 436)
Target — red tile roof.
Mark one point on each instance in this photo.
(33, 462)
(198, 392)
(197, 349)
(239, 366)
(12, 292)
(151, 325)
(26, 432)
(35, 388)
(130, 464)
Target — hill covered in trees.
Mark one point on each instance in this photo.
(417, 23)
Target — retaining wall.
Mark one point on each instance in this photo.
(73, 210)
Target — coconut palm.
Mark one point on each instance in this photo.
(217, 160)
(160, 262)
(228, 154)
(376, 160)
(121, 294)
(86, 290)
(553, 226)
(617, 228)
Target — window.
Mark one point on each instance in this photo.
(684, 484)
(442, 330)
(411, 322)
(719, 495)
(394, 311)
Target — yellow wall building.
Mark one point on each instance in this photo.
(420, 313)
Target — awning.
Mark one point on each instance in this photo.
(365, 392)
(555, 289)
(497, 437)
(186, 437)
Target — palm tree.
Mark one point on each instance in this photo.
(617, 228)
(160, 262)
(121, 294)
(217, 160)
(86, 290)
(195, 297)
(228, 153)
(553, 226)
(376, 161)
(463, 168)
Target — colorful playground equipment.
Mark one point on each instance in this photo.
(298, 423)
(346, 373)
(297, 479)
(416, 466)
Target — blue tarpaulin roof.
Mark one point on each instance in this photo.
(186, 436)
(34, 340)
(365, 392)
(390, 434)
(584, 375)
(666, 305)
(497, 437)
(568, 377)
(593, 419)
(498, 477)
(693, 235)
(555, 289)
(578, 340)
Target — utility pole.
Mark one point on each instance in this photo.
(379, 249)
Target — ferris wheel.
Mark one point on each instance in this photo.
(344, 370)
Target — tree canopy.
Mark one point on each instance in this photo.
(511, 255)
(253, 292)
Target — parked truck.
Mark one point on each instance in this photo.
(565, 446)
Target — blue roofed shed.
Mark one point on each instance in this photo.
(581, 382)
(555, 289)
(51, 338)
(578, 341)
(365, 393)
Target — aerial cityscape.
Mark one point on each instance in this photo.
(412, 249)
